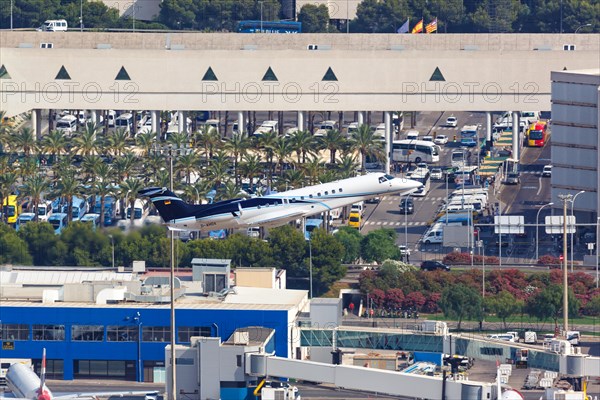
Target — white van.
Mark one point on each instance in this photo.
(124, 121)
(67, 124)
(44, 210)
(324, 127)
(267, 127)
(53, 25)
(111, 116)
(359, 208)
(412, 135)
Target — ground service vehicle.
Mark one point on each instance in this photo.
(44, 210)
(310, 225)
(354, 221)
(11, 209)
(58, 221)
(537, 134)
(415, 151)
(53, 25)
(79, 208)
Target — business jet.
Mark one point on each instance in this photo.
(274, 209)
(24, 384)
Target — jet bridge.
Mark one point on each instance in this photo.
(367, 379)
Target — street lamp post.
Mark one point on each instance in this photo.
(575, 227)
(582, 26)
(11, 14)
(140, 374)
(133, 14)
(261, 16)
(81, 15)
(565, 198)
(537, 231)
(112, 242)
(310, 277)
(406, 221)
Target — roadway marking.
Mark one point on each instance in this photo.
(530, 187)
(540, 186)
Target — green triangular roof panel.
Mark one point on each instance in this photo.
(4, 73)
(122, 75)
(209, 75)
(63, 74)
(437, 75)
(329, 75)
(270, 75)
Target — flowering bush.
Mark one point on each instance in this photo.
(549, 261)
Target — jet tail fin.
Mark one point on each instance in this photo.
(169, 206)
(43, 372)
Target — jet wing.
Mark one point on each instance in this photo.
(275, 216)
(95, 395)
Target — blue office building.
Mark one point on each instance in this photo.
(103, 324)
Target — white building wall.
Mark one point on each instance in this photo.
(575, 140)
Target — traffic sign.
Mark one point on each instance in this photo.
(554, 224)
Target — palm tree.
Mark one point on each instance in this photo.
(194, 193)
(208, 139)
(55, 143)
(250, 167)
(347, 166)
(303, 143)
(129, 192)
(117, 141)
(68, 186)
(8, 181)
(90, 165)
(86, 143)
(237, 147)
(102, 186)
(229, 191)
(332, 141)
(313, 169)
(267, 142)
(146, 141)
(179, 140)
(294, 178)
(282, 150)
(187, 164)
(34, 188)
(218, 170)
(24, 140)
(365, 143)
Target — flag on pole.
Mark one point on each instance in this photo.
(432, 26)
(404, 27)
(418, 27)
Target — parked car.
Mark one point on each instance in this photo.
(427, 138)
(404, 251)
(431, 265)
(452, 121)
(407, 206)
(547, 171)
(440, 139)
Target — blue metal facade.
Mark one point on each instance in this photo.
(221, 321)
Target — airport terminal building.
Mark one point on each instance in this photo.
(97, 323)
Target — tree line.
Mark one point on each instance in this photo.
(372, 16)
(459, 294)
(35, 243)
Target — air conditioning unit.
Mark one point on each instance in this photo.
(241, 337)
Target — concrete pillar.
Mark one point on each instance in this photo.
(488, 127)
(361, 118)
(155, 115)
(181, 121)
(301, 124)
(516, 136)
(241, 122)
(387, 118)
(36, 123)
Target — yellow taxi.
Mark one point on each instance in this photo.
(354, 221)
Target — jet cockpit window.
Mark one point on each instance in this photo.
(389, 177)
(382, 179)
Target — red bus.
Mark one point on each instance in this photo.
(537, 134)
